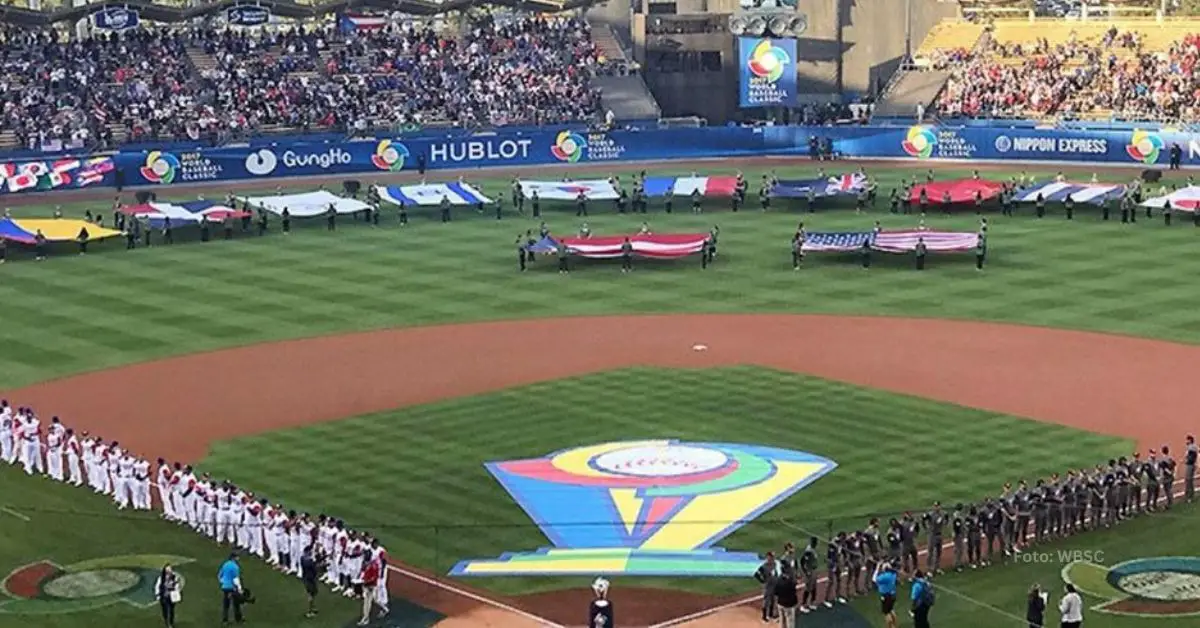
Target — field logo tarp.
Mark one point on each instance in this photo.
(1159, 587)
(45, 588)
(646, 508)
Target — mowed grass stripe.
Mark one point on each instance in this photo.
(418, 473)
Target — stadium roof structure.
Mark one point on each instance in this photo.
(156, 12)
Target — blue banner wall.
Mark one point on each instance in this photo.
(766, 72)
(571, 146)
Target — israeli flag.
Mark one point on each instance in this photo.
(432, 194)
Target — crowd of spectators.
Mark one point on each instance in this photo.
(1111, 76)
(518, 71)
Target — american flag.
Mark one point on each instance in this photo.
(824, 242)
(935, 241)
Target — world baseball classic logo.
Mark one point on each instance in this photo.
(646, 508)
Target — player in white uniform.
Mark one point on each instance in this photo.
(166, 489)
(141, 475)
(115, 453)
(297, 538)
(337, 572)
(208, 521)
(269, 521)
(377, 552)
(31, 439)
(55, 441)
(8, 451)
(253, 525)
(283, 539)
(74, 451)
(188, 497)
(178, 485)
(353, 562)
(102, 458)
(123, 491)
(325, 536)
(224, 497)
(88, 445)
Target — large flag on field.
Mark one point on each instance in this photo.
(1054, 192)
(684, 186)
(183, 213)
(837, 185)
(1184, 199)
(594, 190)
(961, 190)
(308, 204)
(890, 241)
(432, 194)
(661, 246)
(935, 241)
(54, 230)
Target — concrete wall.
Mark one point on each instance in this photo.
(873, 37)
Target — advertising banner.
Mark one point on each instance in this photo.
(63, 172)
(766, 72)
(247, 15)
(116, 18)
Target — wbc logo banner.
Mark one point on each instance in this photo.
(645, 508)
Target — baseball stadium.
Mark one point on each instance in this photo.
(414, 313)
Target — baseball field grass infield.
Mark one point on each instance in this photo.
(71, 313)
(420, 484)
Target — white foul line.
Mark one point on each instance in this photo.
(821, 580)
(10, 511)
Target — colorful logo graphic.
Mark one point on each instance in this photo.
(1144, 147)
(44, 588)
(160, 167)
(919, 142)
(1165, 586)
(768, 61)
(568, 146)
(646, 508)
(390, 156)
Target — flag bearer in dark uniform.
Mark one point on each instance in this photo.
(262, 222)
(626, 256)
(741, 186)
(130, 238)
(767, 574)
(168, 234)
(581, 204)
(1167, 213)
(980, 252)
(445, 206)
(374, 210)
(144, 226)
(639, 198)
(600, 610)
(1166, 475)
(935, 522)
(82, 239)
(228, 225)
(894, 200)
(695, 201)
(39, 246)
(285, 219)
(1040, 204)
(331, 218)
(946, 201)
(920, 252)
(499, 208)
(860, 201)
(1196, 216)
(929, 176)
(764, 194)
(1126, 209)
(864, 252)
(713, 235)
(1106, 208)
(797, 250)
(735, 201)
(543, 230)
(564, 255)
(1189, 466)
(521, 253)
(810, 200)
(537, 204)
(245, 221)
(402, 215)
(518, 198)
(1070, 205)
(923, 200)
(704, 256)
(978, 202)
(622, 201)
(667, 200)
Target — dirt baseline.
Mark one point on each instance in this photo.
(1098, 382)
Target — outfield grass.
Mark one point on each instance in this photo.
(44, 520)
(112, 307)
(423, 488)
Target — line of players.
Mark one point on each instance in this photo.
(218, 510)
(991, 530)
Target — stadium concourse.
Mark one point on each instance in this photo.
(198, 84)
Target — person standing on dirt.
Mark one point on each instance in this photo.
(1189, 467)
(808, 570)
(1166, 475)
(910, 528)
(786, 600)
(767, 574)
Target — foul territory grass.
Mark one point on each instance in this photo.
(112, 307)
(416, 477)
(44, 520)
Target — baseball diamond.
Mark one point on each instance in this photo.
(599, 315)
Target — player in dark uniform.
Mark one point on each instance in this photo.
(894, 200)
(600, 610)
(626, 256)
(864, 252)
(331, 218)
(622, 201)
(767, 575)
(581, 204)
(833, 571)
(910, 528)
(1150, 471)
(935, 522)
(695, 201)
(563, 259)
(958, 531)
(1040, 204)
(764, 197)
(974, 523)
(537, 204)
(1166, 476)
(920, 251)
(522, 254)
(797, 250)
(855, 548)
(808, 573)
(992, 520)
(895, 542)
(518, 198)
(872, 547)
(1008, 520)
(1039, 500)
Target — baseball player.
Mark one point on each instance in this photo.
(326, 532)
(55, 440)
(379, 554)
(74, 452)
(200, 504)
(336, 572)
(935, 522)
(186, 497)
(8, 451)
(355, 553)
(88, 445)
(1166, 475)
(166, 489)
(269, 533)
(210, 502)
(298, 537)
(31, 439)
(114, 461)
(224, 498)
(124, 488)
(100, 458)
(289, 523)
(281, 538)
(141, 484)
(241, 521)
